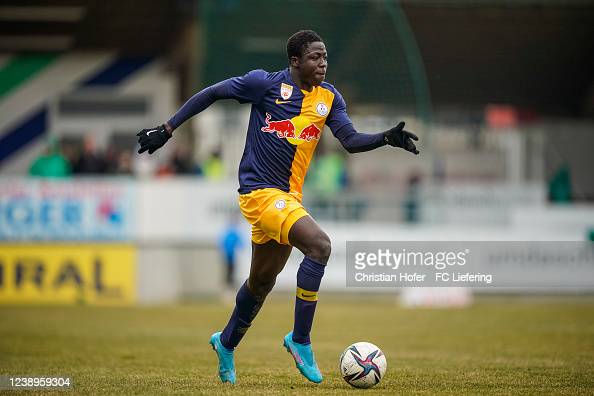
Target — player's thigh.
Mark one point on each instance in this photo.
(268, 260)
(307, 236)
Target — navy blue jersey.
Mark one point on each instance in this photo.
(285, 126)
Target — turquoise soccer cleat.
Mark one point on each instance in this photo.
(304, 359)
(226, 363)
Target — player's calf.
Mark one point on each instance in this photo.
(309, 277)
(247, 306)
(297, 342)
(261, 285)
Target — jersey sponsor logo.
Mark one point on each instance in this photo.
(286, 91)
(280, 204)
(279, 102)
(296, 130)
(322, 109)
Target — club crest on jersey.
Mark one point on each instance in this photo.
(286, 91)
(322, 109)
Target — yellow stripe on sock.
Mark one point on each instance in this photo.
(307, 295)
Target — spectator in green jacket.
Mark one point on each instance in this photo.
(51, 164)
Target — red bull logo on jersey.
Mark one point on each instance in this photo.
(297, 130)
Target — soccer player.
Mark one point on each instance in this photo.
(289, 110)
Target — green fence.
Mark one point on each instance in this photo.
(373, 56)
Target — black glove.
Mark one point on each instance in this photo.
(152, 139)
(398, 137)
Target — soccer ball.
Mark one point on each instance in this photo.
(363, 365)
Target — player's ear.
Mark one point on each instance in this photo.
(294, 61)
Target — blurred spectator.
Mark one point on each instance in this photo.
(412, 201)
(91, 161)
(182, 162)
(560, 185)
(164, 170)
(111, 158)
(52, 163)
(213, 167)
(71, 151)
(328, 176)
(230, 243)
(124, 163)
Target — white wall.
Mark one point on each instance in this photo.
(176, 224)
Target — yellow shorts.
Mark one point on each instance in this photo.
(272, 213)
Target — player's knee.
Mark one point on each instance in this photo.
(320, 249)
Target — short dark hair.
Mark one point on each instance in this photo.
(298, 42)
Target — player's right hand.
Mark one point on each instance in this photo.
(152, 139)
(398, 137)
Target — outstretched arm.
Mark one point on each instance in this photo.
(244, 89)
(355, 142)
(200, 101)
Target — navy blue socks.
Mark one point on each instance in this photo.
(309, 277)
(246, 308)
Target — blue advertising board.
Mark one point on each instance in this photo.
(79, 209)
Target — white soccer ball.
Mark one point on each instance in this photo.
(363, 365)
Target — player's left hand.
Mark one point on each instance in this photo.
(152, 139)
(398, 137)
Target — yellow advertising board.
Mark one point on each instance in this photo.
(100, 274)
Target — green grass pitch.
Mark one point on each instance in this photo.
(500, 345)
